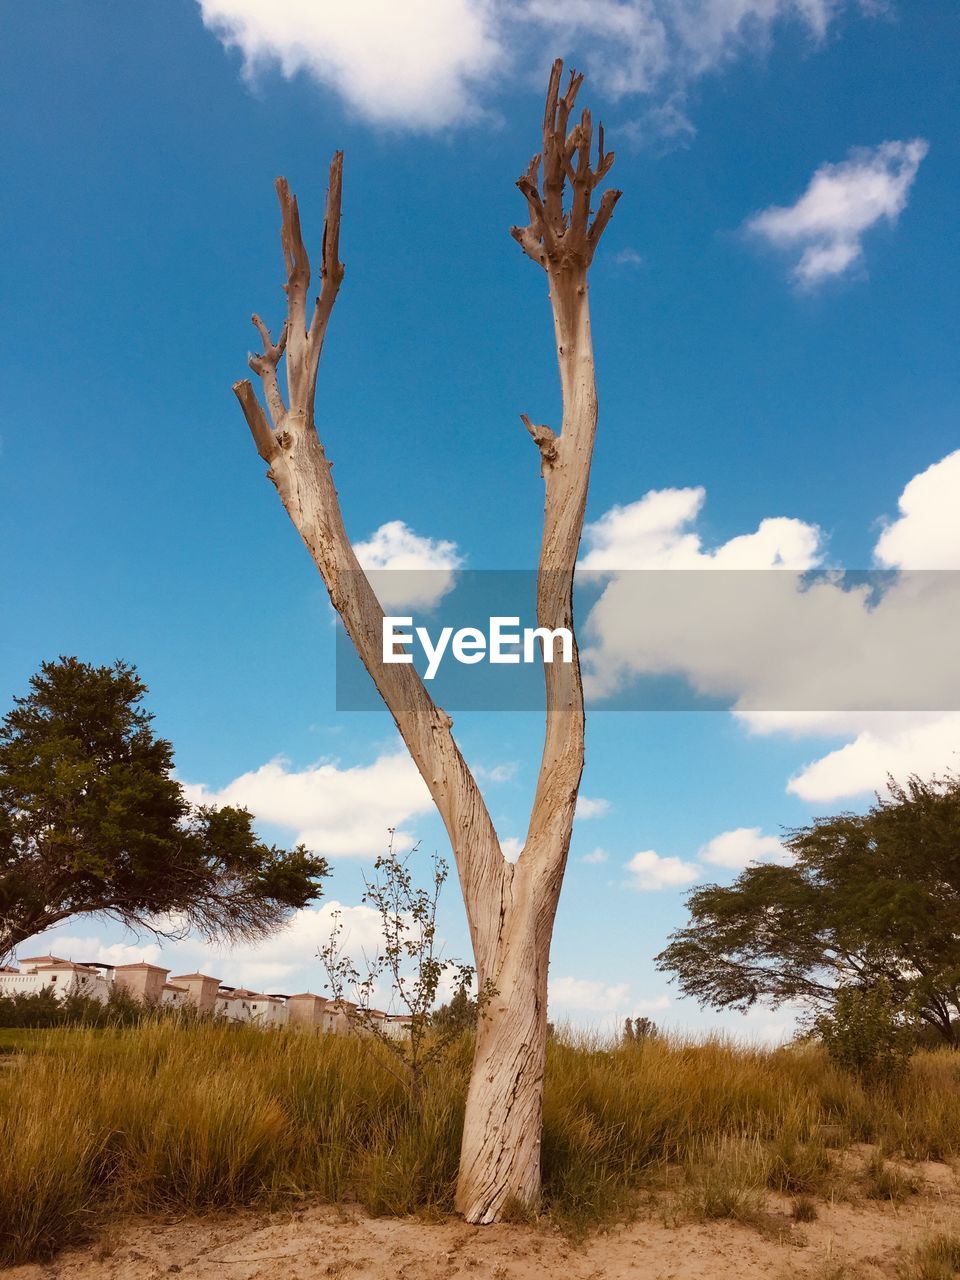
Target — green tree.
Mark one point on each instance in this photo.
(92, 821)
(868, 899)
(459, 1014)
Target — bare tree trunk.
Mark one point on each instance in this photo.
(500, 1153)
(510, 907)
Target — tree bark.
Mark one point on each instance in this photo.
(510, 907)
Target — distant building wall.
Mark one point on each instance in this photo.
(145, 982)
(63, 979)
(306, 1011)
(202, 990)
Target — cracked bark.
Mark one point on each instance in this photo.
(510, 907)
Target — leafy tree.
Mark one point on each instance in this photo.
(868, 899)
(458, 1015)
(93, 821)
(636, 1030)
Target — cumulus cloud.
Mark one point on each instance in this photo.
(416, 64)
(738, 848)
(595, 858)
(656, 533)
(588, 807)
(651, 871)
(287, 960)
(628, 258)
(663, 128)
(288, 954)
(585, 996)
(83, 948)
(496, 773)
(511, 847)
(872, 668)
(888, 745)
(843, 201)
(780, 640)
(407, 570)
(926, 534)
(342, 812)
(424, 65)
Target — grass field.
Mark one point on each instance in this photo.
(200, 1116)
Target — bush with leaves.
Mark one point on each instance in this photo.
(868, 1032)
(409, 963)
(43, 1009)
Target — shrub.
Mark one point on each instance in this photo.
(938, 1259)
(884, 1181)
(868, 1033)
(804, 1209)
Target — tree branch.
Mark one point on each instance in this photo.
(555, 237)
(301, 471)
(263, 437)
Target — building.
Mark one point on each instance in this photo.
(144, 982)
(62, 977)
(202, 990)
(267, 1011)
(306, 1011)
(150, 984)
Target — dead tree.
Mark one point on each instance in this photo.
(510, 906)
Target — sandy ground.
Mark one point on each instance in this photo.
(871, 1239)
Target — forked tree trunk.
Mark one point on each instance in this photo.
(510, 907)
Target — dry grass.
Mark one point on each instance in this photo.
(937, 1259)
(196, 1116)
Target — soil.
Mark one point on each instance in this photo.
(858, 1240)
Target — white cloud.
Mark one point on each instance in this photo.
(586, 996)
(496, 773)
(628, 258)
(429, 65)
(626, 43)
(595, 858)
(664, 127)
(336, 811)
(407, 570)
(843, 201)
(511, 847)
(650, 871)
(926, 534)
(591, 808)
(655, 533)
(286, 960)
(925, 744)
(776, 641)
(771, 640)
(288, 954)
(740, 847)
(84, 948)
(415, 64)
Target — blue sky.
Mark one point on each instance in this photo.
(775, 315)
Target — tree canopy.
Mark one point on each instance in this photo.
(868, 898)
(92, 820)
